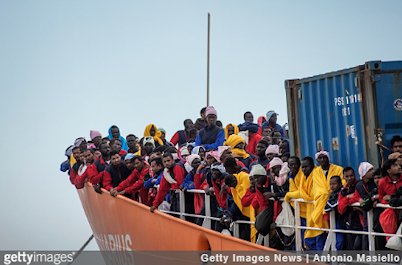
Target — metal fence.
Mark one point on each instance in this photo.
(330, 243)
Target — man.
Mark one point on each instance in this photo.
(239, 182)
(253, 136)
(147, 147)
(236, 144)
(114, 133)
(132, 143)
(116, 145)
(211, 136)
(248, 117)
(173, 176)
(326, 169)
(75, 161)
(101, 164)
(151, 184)
(271, 122)
(271, 152)
(181, 137)
(133, 186)
(351, 215)
(261, 157)
(396, 144)
(116, 172)
(314, 188)
(87, 169)
(96, 137)
(201, 122)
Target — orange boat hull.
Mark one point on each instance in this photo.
(122, 224)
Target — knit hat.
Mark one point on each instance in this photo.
(275, 162)
(321, 153)
(364, 167)
(93, 134)
(272, 149)
(210, 110)
(258, 170)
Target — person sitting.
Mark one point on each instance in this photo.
(182, 137)
(211, 136)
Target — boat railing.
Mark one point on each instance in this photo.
(330, 243)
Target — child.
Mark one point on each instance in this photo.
(335, 184)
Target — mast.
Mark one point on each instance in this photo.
(208, 54)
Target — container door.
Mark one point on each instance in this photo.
(388, 98)
(330, 117)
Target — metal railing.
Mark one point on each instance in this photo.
(331, 238)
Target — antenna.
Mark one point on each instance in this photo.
(208, 53)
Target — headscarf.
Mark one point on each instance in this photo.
(191, 158)
(261, 120)
(219, 167)
(321, 153)
(214, 154)
(233, 141)
(220, 151)
(183, 151)
(364, 167)
(189, 161)
(78, 141)
(283, 174)
(69, 151)
(196, 150)
(272, 149)
(236, 129)
(147, 132)
(124, 145)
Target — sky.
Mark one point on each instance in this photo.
(67, 67)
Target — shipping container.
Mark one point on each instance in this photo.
(348, 113)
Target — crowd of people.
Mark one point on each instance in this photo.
(246, 169)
